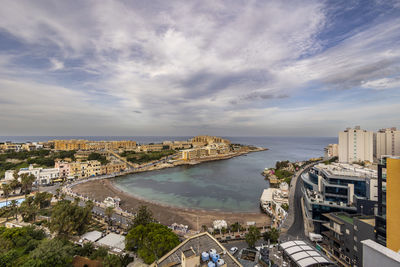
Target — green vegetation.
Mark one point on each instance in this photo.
(144, 157)
(285, 206)
(96, 156)
(281, 164)
(327, 162)
(272, 235)
(236, 227)
(28, 246)
(22, 159)
(69, 218)
(143, 217)
(152, 241)
(252, 236)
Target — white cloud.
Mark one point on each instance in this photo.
(184, 63)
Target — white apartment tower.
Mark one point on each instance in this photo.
(387, 142)
(355, 145)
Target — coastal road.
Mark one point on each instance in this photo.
(296, 230)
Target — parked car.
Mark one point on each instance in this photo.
(233, 250)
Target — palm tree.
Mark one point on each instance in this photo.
(6, 191)
(109, 212)
(27, 181)
(14, 184)
(14, 208)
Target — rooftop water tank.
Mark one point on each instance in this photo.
(205, 256)
(211, 264)
(220, 262)
(212, 251)
(215, 257)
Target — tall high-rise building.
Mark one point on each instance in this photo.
(388, 214)
(387, 142)
(393, 203)
(355, 145)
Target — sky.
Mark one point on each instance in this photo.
(230, 68)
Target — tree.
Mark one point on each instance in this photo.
(6, 191)
(69, 218)
(152, 241)
(272, 235)
(43, 199)
(236, 227)
(96, 156)
(14, 185)
(252, 236)
(109, 212)
(204, 228)
(29, 208)
(14, 208)
(112, 260)
(52, 252)
(26, 182)
(143, 216)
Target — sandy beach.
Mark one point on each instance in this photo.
(167, 215)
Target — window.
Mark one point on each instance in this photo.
(347, 231)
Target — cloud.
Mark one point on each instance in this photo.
(384, 83)
(186, 65)
(57, 65)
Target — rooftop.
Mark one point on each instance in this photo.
(347, 170)
(303, 254)
(345, 218)
(113, 240)
(199, 243)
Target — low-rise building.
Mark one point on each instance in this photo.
(9, 146)
(43, 176)
(343, 234)
(113, 167)
(64, 168)
(198, 250)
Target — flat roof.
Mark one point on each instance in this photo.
(303, 254)
(199, 243)
(345, 218)
(92, 236)
(113, 240)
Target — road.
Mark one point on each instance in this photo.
(297, 228)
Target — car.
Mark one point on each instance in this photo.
(233, 250)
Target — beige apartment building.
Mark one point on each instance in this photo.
(113, 167)
(355, 145)
(387, 142)
(93, 145)
(203, 140)
(332, 150)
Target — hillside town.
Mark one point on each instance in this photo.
(317, 207)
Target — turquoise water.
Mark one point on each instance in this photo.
(228, 185)
(3, 204)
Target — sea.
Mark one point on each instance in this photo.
(231, 185)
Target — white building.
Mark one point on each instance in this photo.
(43, 176)
(375, 254)
(355, 145)
(387, 142)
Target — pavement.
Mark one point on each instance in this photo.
(295, 221)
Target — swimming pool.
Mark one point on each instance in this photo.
(3, 204)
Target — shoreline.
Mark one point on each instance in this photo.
(168, 214)
(165, 214)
